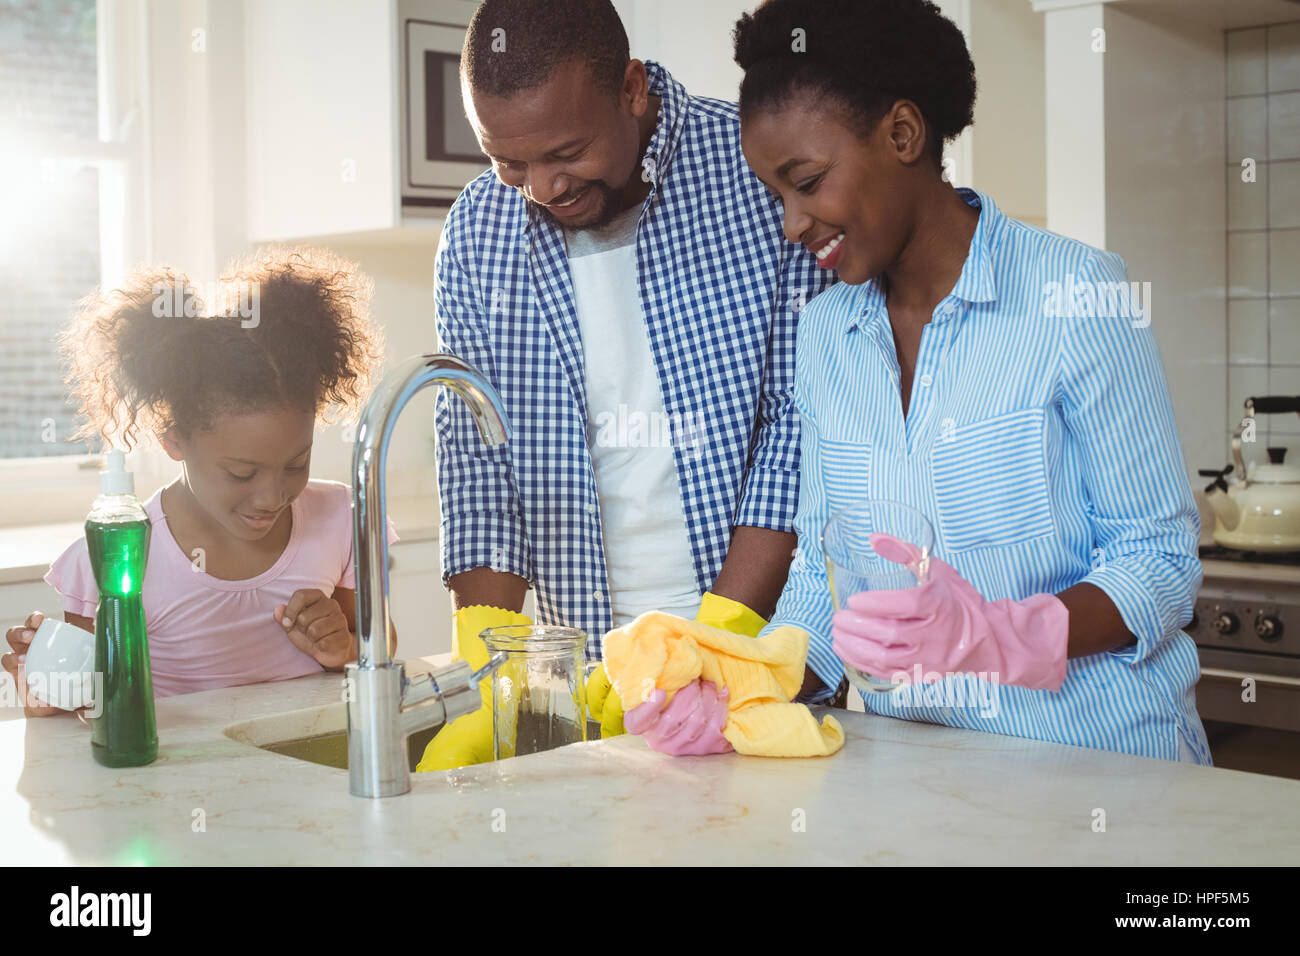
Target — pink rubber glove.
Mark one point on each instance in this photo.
(945, 625)
(691, 725)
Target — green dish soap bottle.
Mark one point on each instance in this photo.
(117, 536)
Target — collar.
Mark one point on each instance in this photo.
(674, 104)
(976, 282)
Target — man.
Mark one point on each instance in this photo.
(622, 279)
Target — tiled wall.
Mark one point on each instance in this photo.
(1263, 117)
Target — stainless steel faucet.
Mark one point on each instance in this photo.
(384, 706)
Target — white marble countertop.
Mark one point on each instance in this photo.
(898, 793)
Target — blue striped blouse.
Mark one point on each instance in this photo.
(1040, 442)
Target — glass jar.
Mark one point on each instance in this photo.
(539, 695)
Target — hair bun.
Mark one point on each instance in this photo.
(291, 327)
(865, 53)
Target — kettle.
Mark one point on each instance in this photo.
(1259, 511)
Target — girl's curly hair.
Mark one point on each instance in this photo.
(136, 364)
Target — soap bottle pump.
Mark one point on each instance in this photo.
(117, 537)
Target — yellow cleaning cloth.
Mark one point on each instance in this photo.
(658, 650)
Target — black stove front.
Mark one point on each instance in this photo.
(1247, 632)
(1215, 552)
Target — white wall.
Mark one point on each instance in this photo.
(1076, 124)
(1009, 139)
(403, 306)
(1165, 189)
(183, 156)
(690, 38)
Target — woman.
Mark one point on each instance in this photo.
(984, 372)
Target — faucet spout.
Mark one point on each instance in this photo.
(369, 495)
(383, 706)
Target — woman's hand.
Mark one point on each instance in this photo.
(691, 724)
(947, 627)
(20, 639)
(317, 626)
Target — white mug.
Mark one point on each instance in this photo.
(60, 665)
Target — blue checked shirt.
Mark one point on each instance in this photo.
(720, 290)
(1042, 447)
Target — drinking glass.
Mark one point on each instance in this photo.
(852, 564)
(539, 694)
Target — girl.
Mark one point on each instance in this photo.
(249, 575)
(984, 372)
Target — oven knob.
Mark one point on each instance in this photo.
(1226, 623)
(1268, 627)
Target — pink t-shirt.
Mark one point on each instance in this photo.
(205, 632)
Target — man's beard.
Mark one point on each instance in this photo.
(606, 210)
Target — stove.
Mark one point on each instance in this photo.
(1246, 626)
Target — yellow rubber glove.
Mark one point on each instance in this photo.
(728, 615)
(605, 703)
(468, 740)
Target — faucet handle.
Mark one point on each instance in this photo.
(437, 697)
(445, 693)
(458, 686)
(487, 670)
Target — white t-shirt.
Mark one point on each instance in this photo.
(647, 549)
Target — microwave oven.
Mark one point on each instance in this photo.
(440, 153)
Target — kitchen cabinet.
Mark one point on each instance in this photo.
(327, 120)
(322, 114)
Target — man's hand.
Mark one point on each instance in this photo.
(317, 626)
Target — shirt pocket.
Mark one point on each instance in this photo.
(845, 471)
(990, 482)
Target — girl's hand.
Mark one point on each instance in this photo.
(317, 626)
(20, 639)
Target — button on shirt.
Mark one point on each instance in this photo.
(1042, 447)
(720, 290)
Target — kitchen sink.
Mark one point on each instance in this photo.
(318, 735)
(331, 750)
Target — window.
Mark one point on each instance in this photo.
(73, 215)
(69, 147)
(49, 189)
